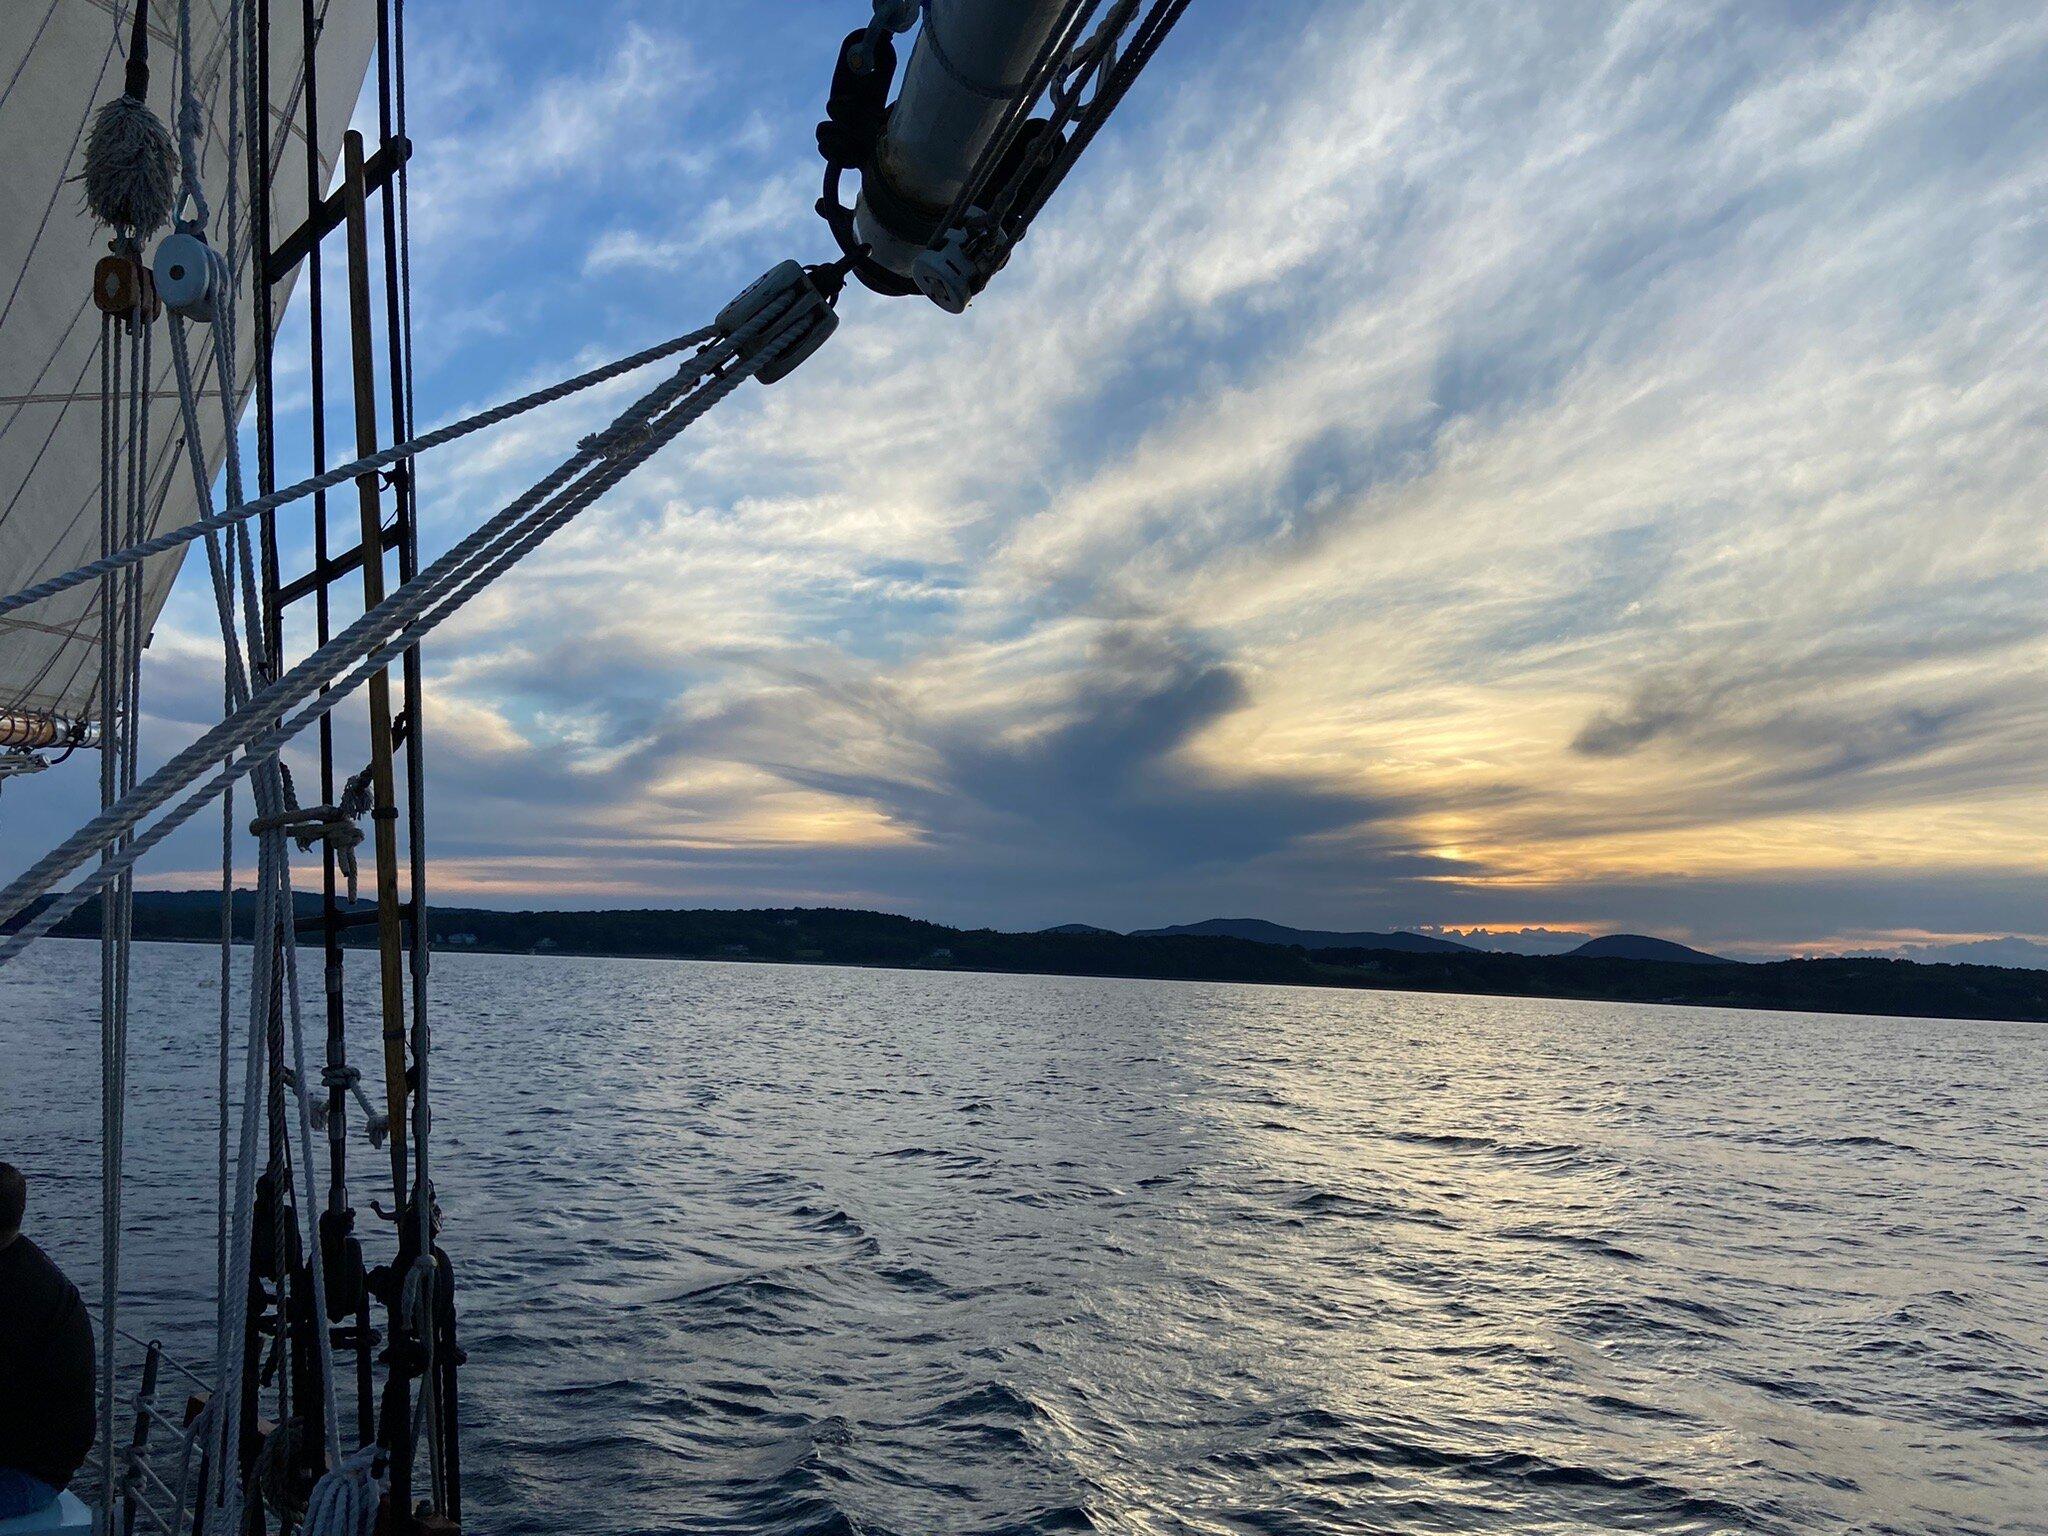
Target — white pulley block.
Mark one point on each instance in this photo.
(947, 275)
(803, 327)
(191, 276)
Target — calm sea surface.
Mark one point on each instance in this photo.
(777, 1249)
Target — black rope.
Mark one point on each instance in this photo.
(1055, 48)
(398, 350)
(1145, 42)
(330, 874)
(136, 85)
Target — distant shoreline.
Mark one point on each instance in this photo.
(879, 940)
(310, 944)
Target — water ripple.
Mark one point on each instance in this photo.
(760, 1250)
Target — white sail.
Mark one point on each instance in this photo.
(59, 60)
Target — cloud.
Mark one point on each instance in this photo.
(1473, 466)
(779, 204)
(1469, 378)
(511, 138)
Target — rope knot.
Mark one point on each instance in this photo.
(350, 1080)
(330, 824)
(618, 439)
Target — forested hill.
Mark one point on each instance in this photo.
(817, 935)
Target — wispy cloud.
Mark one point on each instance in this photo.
(1545, 467)
(1521, 436)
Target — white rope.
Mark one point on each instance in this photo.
(372, 642)
(273, 866)
(411, 612)
(346, 1498)
(230, 1346)
(344, 1501)
(287, 937)
(124, 492)
(327, 479)
(270, 799)
(192, 128)
(241, 91)
(275, 931)
(247, 730)
(112, 1058)
(417, 1298)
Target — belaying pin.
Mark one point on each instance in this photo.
(191, 276)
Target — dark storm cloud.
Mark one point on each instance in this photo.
(1111, 779)
(1108, 788)
(1655, 708)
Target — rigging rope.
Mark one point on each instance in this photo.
(1058, 43)
(275, 926)
(274, 890)
(328, 479)
(193, 213)
(262, 713)
(409, 613)
(124, 487)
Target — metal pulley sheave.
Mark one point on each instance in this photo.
(191, 276)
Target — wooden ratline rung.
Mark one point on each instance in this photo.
(334, 569)
(344, 921)
(330, 211)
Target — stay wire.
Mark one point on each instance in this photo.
(382, 459)
(1055, 47)
(501, 541)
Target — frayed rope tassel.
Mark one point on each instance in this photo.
(130, 162)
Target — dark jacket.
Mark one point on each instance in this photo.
(46, 1369)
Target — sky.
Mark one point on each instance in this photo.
(1574, 466)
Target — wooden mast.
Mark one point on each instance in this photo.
(384, 795)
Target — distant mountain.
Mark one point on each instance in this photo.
(1076, 928)
(1640, 946)
(829, 936)
(1259, 931)
(2023, 954)
(1511, 941)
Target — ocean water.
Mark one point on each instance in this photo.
(774, 1249)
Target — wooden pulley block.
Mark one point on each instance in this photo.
(122, 285)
